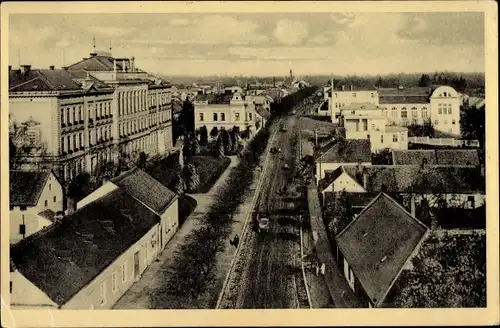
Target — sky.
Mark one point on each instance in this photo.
(258, 44)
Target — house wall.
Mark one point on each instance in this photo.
(169, 223)
(446, 97)
(90, 296)
(340, 99)
(393, 140)
(344, 181)
(25, 295)
(322, 167)
(52, 193)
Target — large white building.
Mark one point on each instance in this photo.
(368, 121)
(403, 106)
(225, 111)
(90, 111)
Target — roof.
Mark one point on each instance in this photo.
(451, 157)
(395, 128)
(70, 254)
(26, 187)
(354, 150)
(98, 63)
(378, 243)
(213, 98)
(415, 95)
(431, 179)
(262, 112)
(413, 157)
(457, 157)
(42, 80)
(146, 189)
(48, 214)
(338, 87)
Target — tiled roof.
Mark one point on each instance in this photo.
(146, 189)
(67, 257)
(413, 157)
(354, 150)
(377, 244)
(457, 157)
(338, 87)
(48, 214)
(215, 98)
(26, 187)
(404, 96)
(42, 80)
(262, 112)
(97, 63)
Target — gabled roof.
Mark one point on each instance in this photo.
(378, 243)
(70, 254)
(331, 176)
(145, 189)
(262, 111)
(413, 157)
(99, 63)
(42, 80)
(26, 187)
(457, 157)
(354, 150)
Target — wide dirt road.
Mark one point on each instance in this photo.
(267, 271)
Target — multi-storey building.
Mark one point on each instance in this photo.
(367, 121)
(91, 111)
(439, 104)
(225, 111)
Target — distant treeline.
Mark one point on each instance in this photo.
(471, 83)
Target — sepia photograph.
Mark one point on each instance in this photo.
(171, 157)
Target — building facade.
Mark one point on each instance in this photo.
(439, 105)
(91, 112)
(35, 200)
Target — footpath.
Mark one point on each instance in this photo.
(340, 292)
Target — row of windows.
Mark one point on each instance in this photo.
(215, 117)
(354, 94)
(71, 115)
(444, 109)
(145, 122)
(404, 112)
(137, 101)
(114, 283)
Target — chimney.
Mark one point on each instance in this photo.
(25, 68)
(412, 205)
(123, 65)
(114, 66)
(51, 67)
(10, 68)
(132, 63)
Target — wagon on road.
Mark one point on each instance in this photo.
(261, 223)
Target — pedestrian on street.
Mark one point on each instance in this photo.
(236, 240)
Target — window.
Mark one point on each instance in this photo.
(124, 271)
(440, 109)
(215, 117)
(436, 122)
(250, 116)
(404, 113)
(394, 138)
(62, 116)
(453, 122)
(46, 203)
(354, 94)
(10, 287)
(222, 116)
(373, 127)
(445, 122)
(372, 94)
(74, 114)
(22, 229)
(54, 199)
(449, 109)
(382, 138)
(236, 116)
(74, 141)
(103, 292)
(394, 112)
(424, 112)
(114, 286)
(414, 112)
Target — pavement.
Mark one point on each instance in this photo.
(141, 294)
(340, 292)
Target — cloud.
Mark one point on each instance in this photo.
(179, 22)
(283, 53)
(290, 31)
(320, 39)
(343, 18)
(443, 28)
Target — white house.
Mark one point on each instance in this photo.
(344, 95)
(227, 111)
(353, 152)
(376, 246)
(90, 258)
(35, 199)
(368, 121)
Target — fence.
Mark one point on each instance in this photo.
(444, 141)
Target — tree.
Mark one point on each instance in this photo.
(428, 129)
(179, 184)
(142, 160)
(472, 125)
(79, 187)
(340, 213)
(383, 157)
(192, 177)
(220, 147)
(204, 135)
(214, 133)
(12, 154)
(379, 82)
(195, 146)
(425, 81)
(449, 271)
